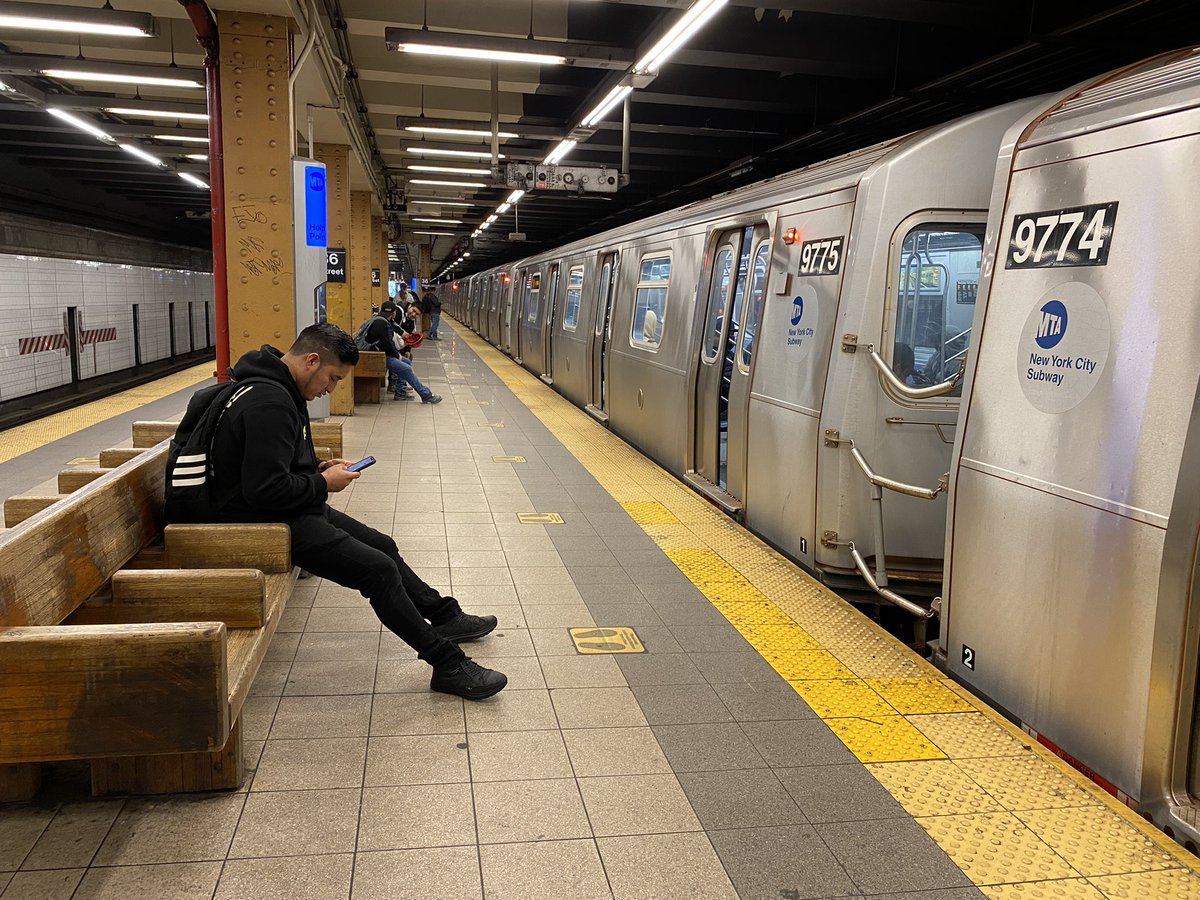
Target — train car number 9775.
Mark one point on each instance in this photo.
(1078, 236)
(822, 256)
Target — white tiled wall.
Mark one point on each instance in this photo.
(36, 291)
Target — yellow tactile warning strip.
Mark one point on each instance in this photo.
(31, 436)
(1018, 821)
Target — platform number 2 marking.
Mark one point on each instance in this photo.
(1079, 236)
(968, 658)
(821, 257)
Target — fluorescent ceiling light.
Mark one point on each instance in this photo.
(141, 154)
(461, 132)
(185, 139)
(473, 154)
(465, 255)
(81, 20)
(503, 208)
(514, 196)
(436, 202)
(469, 184)
(689, 23)
(611, 99)
(81, 123)
(544, 59)
(439, 221)
(115, 78)
(556, 155)
(436, 233)
(155, 114)
(450, 170)
(192, 179)
(198, 157)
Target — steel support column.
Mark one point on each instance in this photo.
(337, 296)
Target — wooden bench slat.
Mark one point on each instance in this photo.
(72, 479)
(236, 597)
(324, 434)
(267, 548)
(18, 509)
(116, 456)
(247, 649)
(56, 559)
(112, 690)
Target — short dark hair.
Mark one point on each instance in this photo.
(329, 342)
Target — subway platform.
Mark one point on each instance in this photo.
(688, 715)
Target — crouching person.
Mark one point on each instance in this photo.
(263, 468)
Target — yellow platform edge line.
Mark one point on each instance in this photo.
(31, 436)
(716, 543)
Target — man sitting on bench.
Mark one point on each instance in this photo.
(266, 470)
(400, 370)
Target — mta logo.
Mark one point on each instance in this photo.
(797, 311)
(316, 180)
(1052, 326)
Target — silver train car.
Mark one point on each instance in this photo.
(792, 349)
(1071, 596)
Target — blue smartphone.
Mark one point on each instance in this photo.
(361, 464)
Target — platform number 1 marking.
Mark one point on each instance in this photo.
(968, 658)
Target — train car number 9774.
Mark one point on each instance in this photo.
(1078, 236)
(821, 257)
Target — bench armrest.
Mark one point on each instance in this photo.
(267, 548)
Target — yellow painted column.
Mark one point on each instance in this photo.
(361, 244)
(337, 296)
(424, 268)
(378, 260)
(258, 181)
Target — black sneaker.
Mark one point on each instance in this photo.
(401, 396)
(466, 678)
(433, 398)
(466, 627)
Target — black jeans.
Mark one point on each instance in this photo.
(347, 552)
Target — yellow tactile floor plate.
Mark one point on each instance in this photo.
(933, 788)
(1092, 844)
(878, 695)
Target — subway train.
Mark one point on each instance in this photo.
(963, 356)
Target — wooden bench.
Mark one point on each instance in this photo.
(326, 436)
(132, 654)
(370, 375)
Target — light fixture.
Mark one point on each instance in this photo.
(192, 179)
(514, 196)
(436, 233)
(544, 59)
(468, 184)
(142, 154)
(91, 22)
(184, 139)
(689, 23)
(439, 221)
(120, 78)
(503, 208)
(492, 218)
(611, 99)
(473, 154)
(155, 114)
(465, 255)
(556, 155)
(460, 132)
(450, 170)
(433, 201)
(198, 157)
(81, 123)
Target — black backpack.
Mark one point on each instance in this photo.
(360, 336)
(189, 487)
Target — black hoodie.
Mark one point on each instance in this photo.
(264, 447)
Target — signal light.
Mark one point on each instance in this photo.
(506, 278)
(790, 236)
(454, 286)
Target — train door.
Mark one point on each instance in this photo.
(507, 299)
(522, 289)
(605, 289)
(548, 327)
(719, 425)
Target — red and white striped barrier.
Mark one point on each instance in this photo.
(44, 342)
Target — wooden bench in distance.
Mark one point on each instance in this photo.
(327, 436)
(370, 375)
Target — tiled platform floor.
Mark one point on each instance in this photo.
(691, 771)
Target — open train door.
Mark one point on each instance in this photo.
(605, 289)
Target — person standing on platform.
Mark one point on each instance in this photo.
(433, 303)
(266, 470)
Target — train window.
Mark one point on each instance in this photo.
(717, 291)
(574, 294)
(650, 303)
(758, 296)
(933, 320)
(533, 290)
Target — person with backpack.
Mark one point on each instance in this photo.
(377, 334)
(244, 453)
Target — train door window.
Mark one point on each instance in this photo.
(574, 295)
(650, 302)
(758, 297)
(717, 292)
(533, 290)
(938, 274)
